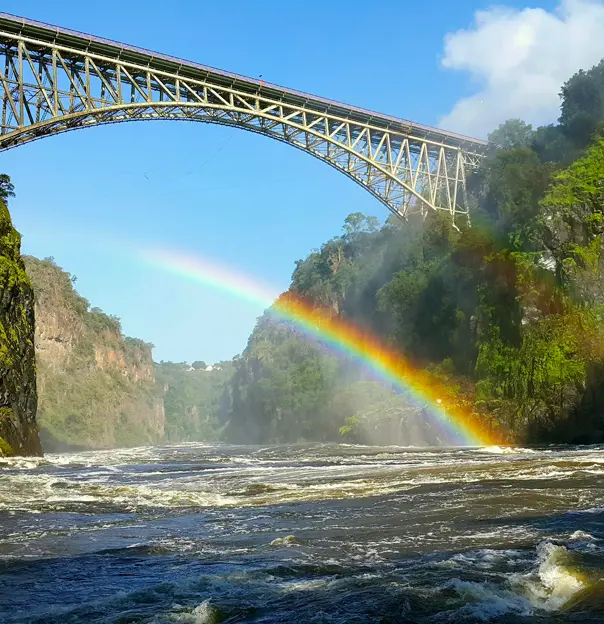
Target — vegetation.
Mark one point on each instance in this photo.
(7, 188)
(18, 432)
(505, 317)
(99, 388)
(193, 399)
(508, 312)
(96, 386)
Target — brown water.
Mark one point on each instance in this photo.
(319, 534)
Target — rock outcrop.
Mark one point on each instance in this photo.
(18, 398)
(97, 387)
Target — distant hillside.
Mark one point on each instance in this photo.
(96, 387)
(195, 399)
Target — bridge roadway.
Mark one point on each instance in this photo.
(56, 79)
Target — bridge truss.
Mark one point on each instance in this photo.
(54, 80)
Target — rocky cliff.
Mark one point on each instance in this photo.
(194, 400)
(97, 388)
(18, 399)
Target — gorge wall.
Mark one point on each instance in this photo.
(195, 400)
(18, 398)
(96, 387)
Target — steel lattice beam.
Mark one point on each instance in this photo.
(53, 80)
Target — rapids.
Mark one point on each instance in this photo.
(334, 534)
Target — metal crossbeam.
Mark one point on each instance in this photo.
(53, 80)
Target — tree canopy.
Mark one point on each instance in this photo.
(508, 312)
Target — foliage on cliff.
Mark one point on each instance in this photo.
(194, 399)
(18, 398)
(97, 387)
(508, 312)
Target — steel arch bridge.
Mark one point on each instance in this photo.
(55, 79)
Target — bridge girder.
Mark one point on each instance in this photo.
(48, 87)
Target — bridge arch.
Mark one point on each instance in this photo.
(56, 80)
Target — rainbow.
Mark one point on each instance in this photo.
(457, 423)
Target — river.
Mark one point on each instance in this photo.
(332, 534)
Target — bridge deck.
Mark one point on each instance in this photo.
(47, 33)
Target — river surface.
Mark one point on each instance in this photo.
(332, 534)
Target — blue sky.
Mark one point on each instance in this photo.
(90, 197)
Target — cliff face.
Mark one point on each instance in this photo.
(18, 398)
(97, 388)
(195, 401)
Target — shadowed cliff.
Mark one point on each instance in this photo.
(18, 399)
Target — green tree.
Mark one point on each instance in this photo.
(513, 134)
(508, 312)
(514, 183)
(6, 188)
(583, 104)
(552, 145)
(573, 223)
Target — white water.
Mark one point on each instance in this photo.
(326, 533)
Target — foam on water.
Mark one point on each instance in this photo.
(545, 588)
(203, 613)
(485, 602)
(192, 533)
(505, 450)
(553, 583)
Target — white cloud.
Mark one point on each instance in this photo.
(520, 59)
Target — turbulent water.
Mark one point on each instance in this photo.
(308, 534)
